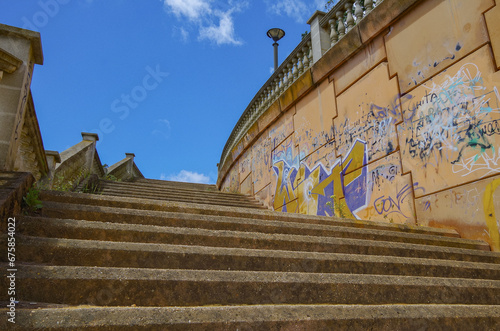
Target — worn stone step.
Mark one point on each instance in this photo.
(159, 287)
(261, 317)
(95, 230)
(168, 183)
(131, 216)
(172, 190)
(153, 193)
(58, 251)
(241, 201)
(251, 213)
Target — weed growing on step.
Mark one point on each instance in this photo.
(112, 178)
(66, 183)
(336, 207)
(31, 202)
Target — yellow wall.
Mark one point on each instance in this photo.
(407, 130)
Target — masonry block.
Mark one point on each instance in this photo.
(433, 36)
(368, 111)
(269, 116)
(358, 65)
(245, 164)
(261, 162)
(472, 210)
(282, 128)
(313, 119)
(451, 129)
(493, 24)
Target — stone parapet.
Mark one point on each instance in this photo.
(77, 162)
(126, 169)
(31, 154)
(20, 50)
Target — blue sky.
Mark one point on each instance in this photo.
(164, 79)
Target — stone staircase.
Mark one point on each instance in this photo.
(161, 255)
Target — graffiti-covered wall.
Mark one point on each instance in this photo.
(405, 130)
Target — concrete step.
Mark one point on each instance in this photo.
(242, 202)
(142, 187)
(168, 183)
(58, 251)
(260, 317)
(132, 216)
(145, 192)
(109, 231)
(169, 287)
(50, 197)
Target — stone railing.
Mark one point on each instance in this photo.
(344, 15)
(336, 23)
(125, 169)
(285, 75)
(76, 163)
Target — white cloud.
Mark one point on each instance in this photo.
(212, 18)
(223, 33)
(192, 9)
(299, 10)
(187, 176)
(162, 129)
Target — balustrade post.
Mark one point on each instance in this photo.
(269, 95)
(290, 73)
(340, 23)
(368, 6)
(282, 81)
(295, 69)
(349, 19)
(300, 65)
(310, 54)
(334, 37)
(358, 11)
(305, 60)
(285, 78)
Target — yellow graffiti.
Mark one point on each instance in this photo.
(308, 202)
(354, 159)
(338, 191)
(285, 194)
(489, 213)
(311, 191)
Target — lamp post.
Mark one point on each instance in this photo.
(275, 34)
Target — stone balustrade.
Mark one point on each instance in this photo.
(344, 15)
(299, 60)
(77, 162)
(326, 30)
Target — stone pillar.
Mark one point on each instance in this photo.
(130, 164)
(53, 158)
(94, 138)
(320, 38)
(20, 50)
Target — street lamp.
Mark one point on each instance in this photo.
(275, 34)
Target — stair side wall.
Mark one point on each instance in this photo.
(405, 130)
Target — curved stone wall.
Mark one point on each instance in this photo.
(399, 121)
